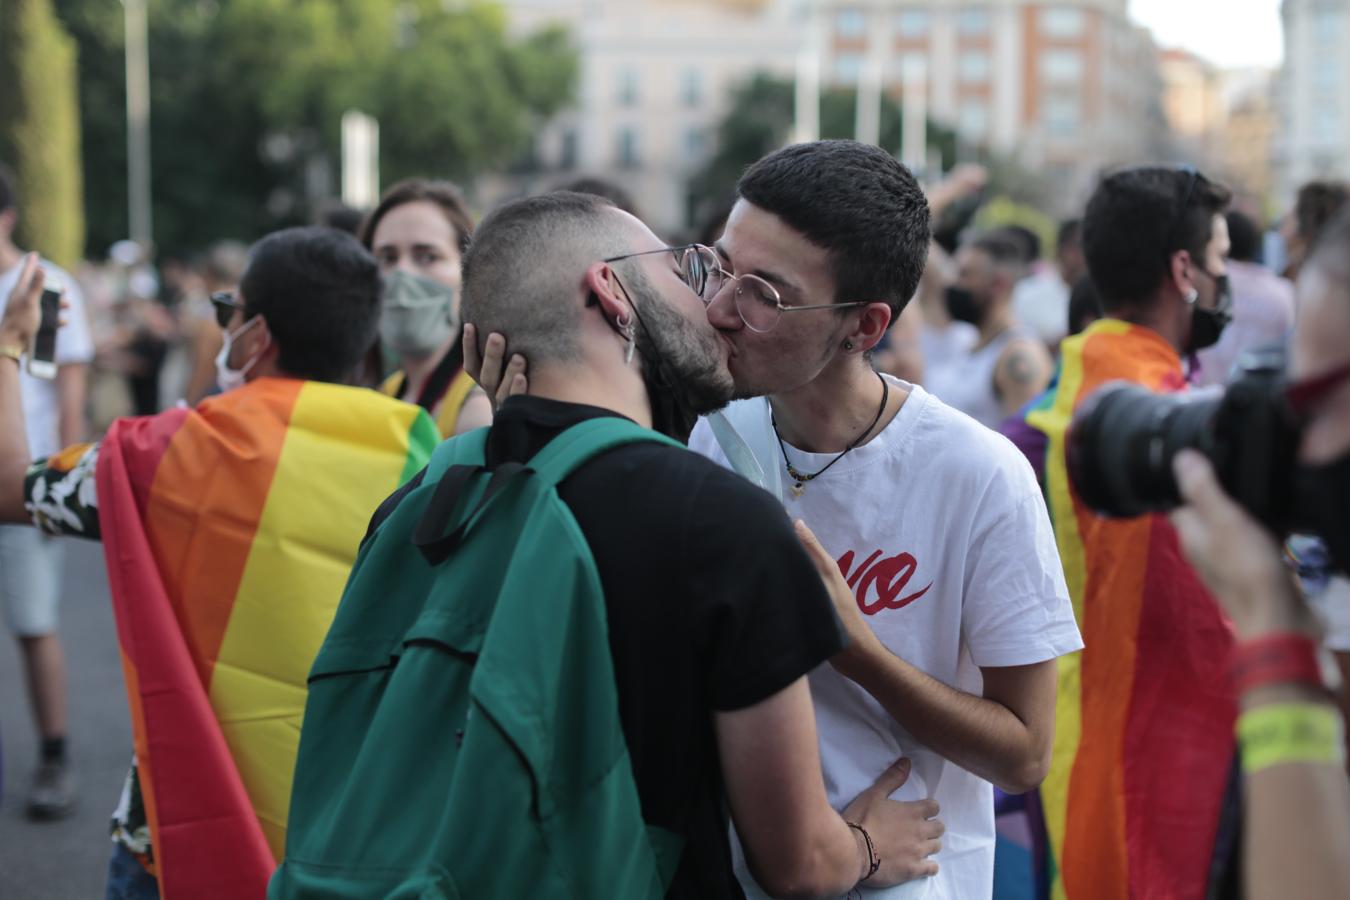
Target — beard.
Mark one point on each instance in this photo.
(682, 363)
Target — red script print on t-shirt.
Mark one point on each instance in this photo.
(890, 577)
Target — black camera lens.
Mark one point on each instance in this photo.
(1121, 444)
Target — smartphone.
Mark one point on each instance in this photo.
(42, 355)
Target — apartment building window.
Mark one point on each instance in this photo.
(1060, 115)
(848, 67)
(691, 87)
(695, 144)
(906, 63)
(973, 67)
(628, 151)
(912, 23)
(568, 154)
(1062, 21)
(972, 21)
(972, 121)
(627, 86)
(1059, 66)
(850, 23)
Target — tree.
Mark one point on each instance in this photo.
(247, 97)
(759, 121)
(40, 128)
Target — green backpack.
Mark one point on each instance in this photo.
(462, 734)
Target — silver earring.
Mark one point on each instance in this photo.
(848, 345)
(626, 325)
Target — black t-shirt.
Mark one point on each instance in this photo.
(712, 606)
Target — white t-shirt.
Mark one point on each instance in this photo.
(941, 528)
(74, 345)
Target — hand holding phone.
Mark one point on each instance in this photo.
(42, 352)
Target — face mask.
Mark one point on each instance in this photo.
(1207, 325)
(963, 305)
(417, 316)
(1323, 495)
(227, 378)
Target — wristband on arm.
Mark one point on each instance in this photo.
(1280, 658)
(1291, 733)
(873, 861)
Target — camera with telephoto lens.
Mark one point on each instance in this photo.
(1123, 438)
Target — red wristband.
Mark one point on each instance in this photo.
(1281, 658)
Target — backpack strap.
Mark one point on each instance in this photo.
(469, 449)
(587, 439)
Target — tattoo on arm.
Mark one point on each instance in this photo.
(1019, 368)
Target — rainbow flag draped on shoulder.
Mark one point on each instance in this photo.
(1136, 802)
(229, 531)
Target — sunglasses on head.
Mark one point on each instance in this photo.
(224, 304)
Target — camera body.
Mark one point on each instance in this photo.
(1123, 438)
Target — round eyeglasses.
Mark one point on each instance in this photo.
(757, 302)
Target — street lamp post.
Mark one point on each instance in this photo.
(138, 123)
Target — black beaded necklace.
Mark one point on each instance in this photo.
(802, 478)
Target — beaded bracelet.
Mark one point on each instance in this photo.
(1290, 733)
(873, 861)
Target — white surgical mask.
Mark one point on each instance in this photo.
(227, 378)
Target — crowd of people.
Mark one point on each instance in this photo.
(542, 557)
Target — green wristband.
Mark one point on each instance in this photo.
(1290, 733)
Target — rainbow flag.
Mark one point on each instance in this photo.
(229, 531)
(1134, 804)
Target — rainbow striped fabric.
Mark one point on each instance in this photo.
(229, 532)
(1134, 804)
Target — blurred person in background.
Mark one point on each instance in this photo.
(952, 203)
(418, 234)
(342, 217)
(1140, 800)
(31, 563)
(603, 187)
(1315, 206)
(1297, 797)
(228, 532)
(1041, 299)
(1008, 365)
(1263, 305)
(221, 269)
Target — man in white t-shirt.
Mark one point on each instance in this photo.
(30, 563)
(952, 590)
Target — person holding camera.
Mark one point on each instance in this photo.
(1137, 802)
(1291, 734)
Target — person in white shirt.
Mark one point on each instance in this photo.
(951, 587)
(30, 563)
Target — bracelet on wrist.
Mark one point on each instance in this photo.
(1280, 658)
(873, 861)
(1280, 733)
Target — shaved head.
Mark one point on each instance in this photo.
(527, 264)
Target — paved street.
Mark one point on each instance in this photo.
(67, 860)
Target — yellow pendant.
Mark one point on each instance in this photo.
(798, 488)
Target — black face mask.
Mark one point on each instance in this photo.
(964, 305)
(1207, 325)
(1323, 496)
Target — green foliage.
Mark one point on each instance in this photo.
(247, 98)
(40, 128)
(759, 121)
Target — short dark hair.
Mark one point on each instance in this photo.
(525, 265)
(342, 217)
(858, 203)
(1317, 204)
(8, 198)
(1245, 237)
(1070, 233)
(318, 290)
(1085, 306)
(1002, 247)
(1333, 247)
(1028, 241)
(612, 191)
(410, 190)
(1137, 219)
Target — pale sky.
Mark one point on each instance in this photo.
(1228, 33)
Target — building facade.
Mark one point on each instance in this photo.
(1313, 94)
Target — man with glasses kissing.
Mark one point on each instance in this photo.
(947, 578)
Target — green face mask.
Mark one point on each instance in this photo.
(418, 315)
